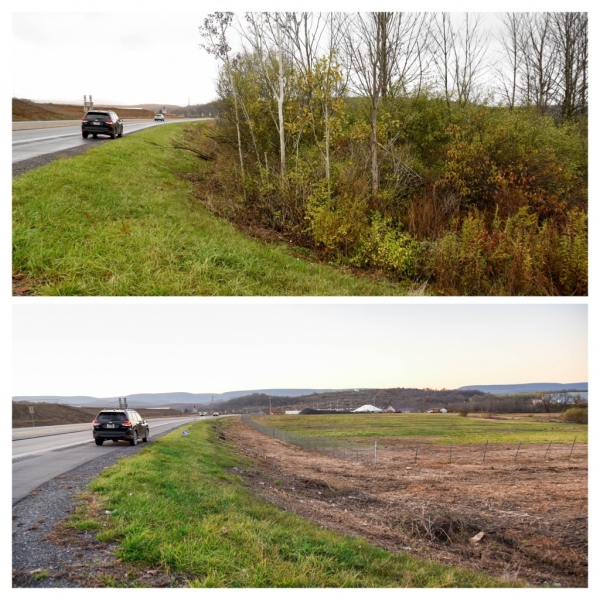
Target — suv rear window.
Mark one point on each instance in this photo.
(107, 417)
(104, 115)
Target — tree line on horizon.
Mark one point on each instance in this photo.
(396, 142)
(404, 399)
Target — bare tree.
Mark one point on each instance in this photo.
(470, 50)
(266, 36)
(570, 38)
(459, 56)
(316, 42)
(512, 46)
(214, 32)
(443, 39)
(384, 51)
(540, 56)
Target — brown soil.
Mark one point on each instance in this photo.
(533, 513)
(47, 413)
(26, 110)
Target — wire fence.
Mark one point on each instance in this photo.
(417, 452)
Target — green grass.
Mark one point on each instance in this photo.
(437, 428)
(178, 505)
(117, 220)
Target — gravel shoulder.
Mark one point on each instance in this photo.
(21, 167)
(44, 554)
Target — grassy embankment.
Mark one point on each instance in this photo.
(435, 428)
(46, 413)
(189, 515)
(117, 220)
(25, 110)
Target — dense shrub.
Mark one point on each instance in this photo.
(575, 415)
(473, 199)
(516, 256)
(509, 159)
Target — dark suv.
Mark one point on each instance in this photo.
(119, 424)
(101, 121)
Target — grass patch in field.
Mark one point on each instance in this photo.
(439, 428)
(117, 220)
(188, 514)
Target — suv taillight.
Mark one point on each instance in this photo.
(126, 423)
(95, 422)
(84, 120)
(109, 121)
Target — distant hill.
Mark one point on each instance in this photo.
(299, 398)
(522, 388)
(171, 399)
(27, 110)
(59, 414)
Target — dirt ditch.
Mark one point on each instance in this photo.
(523, 520)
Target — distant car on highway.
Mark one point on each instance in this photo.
(159, 117)
(215, 414)
(105, 122)
(119, 424)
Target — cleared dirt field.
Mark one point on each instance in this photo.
(522, 520)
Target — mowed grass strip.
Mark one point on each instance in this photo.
(178, 505)
(437, 428)
(117, 220)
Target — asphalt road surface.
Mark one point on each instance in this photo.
(29, 143)
(31, 139)
(42, 453)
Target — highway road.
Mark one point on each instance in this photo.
(42, 453)
(31, 138)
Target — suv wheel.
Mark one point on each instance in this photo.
(134, 440)
(85, 135)
(99, 442)
(145, 438)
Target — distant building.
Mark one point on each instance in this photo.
(367, 408)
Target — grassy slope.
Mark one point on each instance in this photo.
(46, 413)
(440, 428)
(189, 514)
(117, 221)
(25, 110)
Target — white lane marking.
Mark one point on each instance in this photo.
(45, 139)
(64, 135)
(50, 449)
(67, 445)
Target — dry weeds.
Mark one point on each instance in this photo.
(533, 513)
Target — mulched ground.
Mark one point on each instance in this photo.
(531, 516)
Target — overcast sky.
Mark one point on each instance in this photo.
(108, 349)
(148, 56)
(130, 52)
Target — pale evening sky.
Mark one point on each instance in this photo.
(114, 349)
